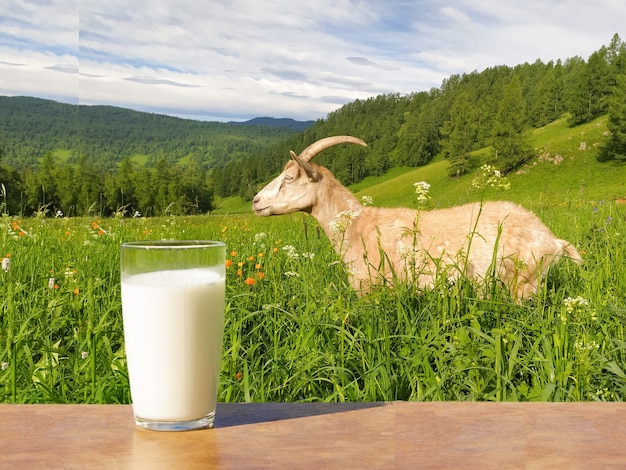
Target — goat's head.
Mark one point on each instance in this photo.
(294, 189)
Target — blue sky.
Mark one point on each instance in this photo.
(238, 59)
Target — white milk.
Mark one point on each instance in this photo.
(173, 327)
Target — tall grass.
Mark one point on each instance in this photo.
(296, 331)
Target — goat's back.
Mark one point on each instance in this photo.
(468, 236)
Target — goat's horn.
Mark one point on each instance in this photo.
(322, 144)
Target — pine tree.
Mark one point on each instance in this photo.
(459, 132)
(589, 98)
(511, 142)
(548, 105)
(615, 148)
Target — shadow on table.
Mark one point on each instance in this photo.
(237, 414)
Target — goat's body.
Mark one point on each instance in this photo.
(383, 245)
(419, 246)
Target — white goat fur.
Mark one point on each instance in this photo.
(418, 246)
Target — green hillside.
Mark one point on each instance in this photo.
(564, 169)
(105, 135)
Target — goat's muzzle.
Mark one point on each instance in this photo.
(258, 208)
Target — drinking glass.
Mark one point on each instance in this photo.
(173, 310)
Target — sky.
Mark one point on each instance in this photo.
(232, 60)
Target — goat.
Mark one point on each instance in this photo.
(380, 244)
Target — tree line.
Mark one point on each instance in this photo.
(61, 158)
(82, 189)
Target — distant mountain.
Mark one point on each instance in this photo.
(31, 127)
(274, 122)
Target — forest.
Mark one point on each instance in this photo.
(61, 158)
(121, 161)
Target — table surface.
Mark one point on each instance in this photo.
(323, 435)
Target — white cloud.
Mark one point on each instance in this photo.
(242, 58)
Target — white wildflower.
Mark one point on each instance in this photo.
(260, 237)
(51, 283)
(421, 189)
(582, 346)
(84, 354)
(6, 264)
(342, 220)
(406, 251)
(308, 255)
(367, 200)
(291, 252)
(291, 274)
(489, 177)
(4, 365)
(573, 304)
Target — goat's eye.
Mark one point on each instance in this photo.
(288, 178)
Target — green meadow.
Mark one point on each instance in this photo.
(294, 329)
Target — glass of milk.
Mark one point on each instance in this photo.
(173, 308)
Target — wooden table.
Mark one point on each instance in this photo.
(320, 435)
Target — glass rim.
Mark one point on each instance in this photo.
(180, 244)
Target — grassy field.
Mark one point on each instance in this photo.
(296, 331)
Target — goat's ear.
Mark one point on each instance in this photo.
(308, 169)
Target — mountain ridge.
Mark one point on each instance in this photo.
(30, 127)
(276, 122)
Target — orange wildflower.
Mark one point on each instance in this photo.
(229, 263)
(76, 291)
(251, 258)
(239, 272)
(260, 275)
(233, 253)
(250, 281)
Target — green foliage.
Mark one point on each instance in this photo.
(615, 147)
(510, 138)
(595, 82)
(459, 133)
(549, 102)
